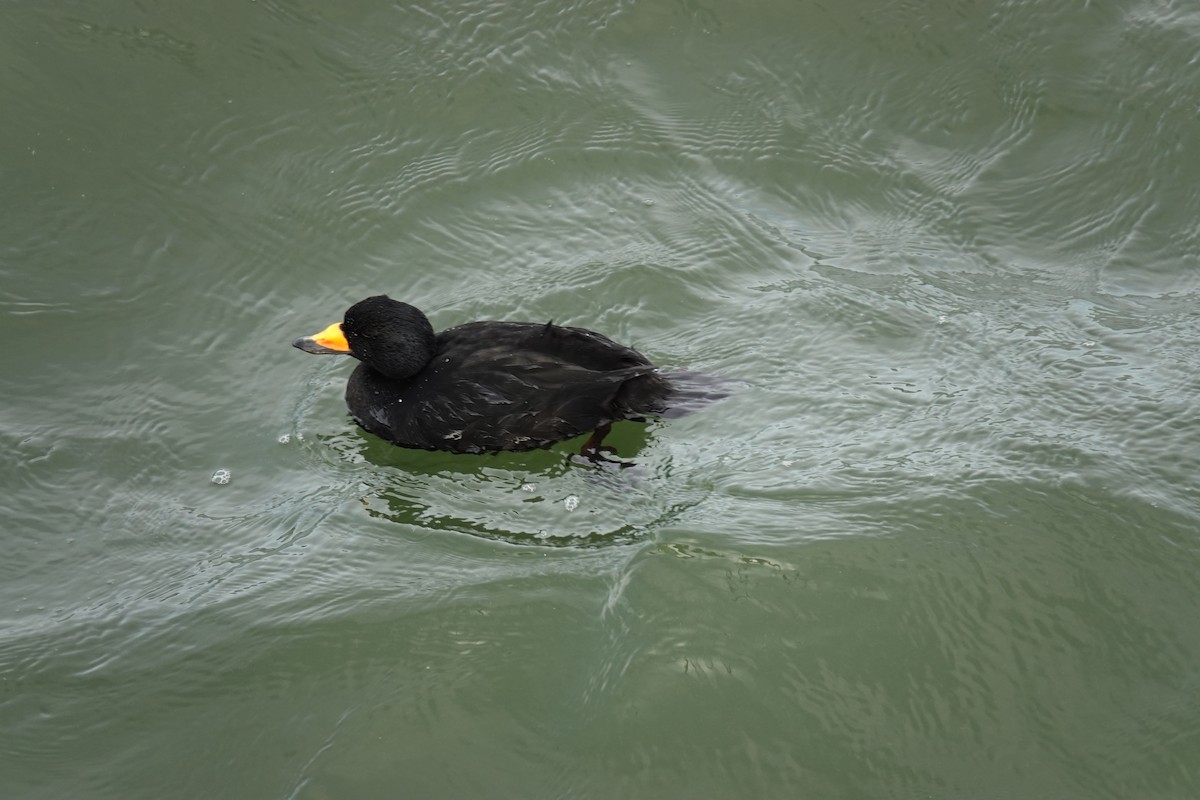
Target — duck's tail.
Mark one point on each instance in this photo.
(691, 391)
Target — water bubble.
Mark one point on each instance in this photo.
(571, 502)
(285, 438)
(221, 477)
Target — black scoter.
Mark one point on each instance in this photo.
(490, 386)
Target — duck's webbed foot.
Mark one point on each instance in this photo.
(594, 448)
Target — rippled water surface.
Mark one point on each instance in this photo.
(942, 541)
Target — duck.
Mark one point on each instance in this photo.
(489, 386)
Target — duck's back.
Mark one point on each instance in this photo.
(508, 386)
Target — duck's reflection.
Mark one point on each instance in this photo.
(549, 498)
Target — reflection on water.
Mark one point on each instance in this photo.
(550, 498)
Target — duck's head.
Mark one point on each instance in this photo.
(385, 334)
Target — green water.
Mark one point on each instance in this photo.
(942, 542)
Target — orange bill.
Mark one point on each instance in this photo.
(330, 340)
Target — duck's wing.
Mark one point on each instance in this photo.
(537, 343)
(583, 373)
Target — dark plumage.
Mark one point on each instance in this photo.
(486, 386)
